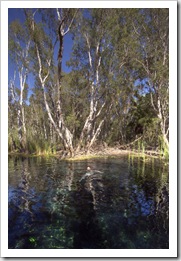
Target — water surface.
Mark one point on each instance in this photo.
(122, 204)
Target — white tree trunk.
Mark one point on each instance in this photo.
(89, 135)
(18, 99)
(162, 118)
(96, 134)
(61, 130)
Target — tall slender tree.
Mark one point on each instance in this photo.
(119, 61)
(152, 30)
(44, 51)
(19, 45)
(88, 57)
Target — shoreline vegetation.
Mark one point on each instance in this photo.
(112, 96)
(107, 152)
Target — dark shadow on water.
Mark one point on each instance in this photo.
(123, 204)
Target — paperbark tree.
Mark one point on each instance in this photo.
(19, 45)
(89, 51)
(102, 53)
(153, 34)
(113, 50)
(45, 47)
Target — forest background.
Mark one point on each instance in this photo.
(114, 92)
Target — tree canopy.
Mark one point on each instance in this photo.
(116, 88)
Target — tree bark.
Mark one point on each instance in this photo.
(21, 116)
(96, 134)
(20, 109)
(163, 119)
(89, 134)
(60, 129)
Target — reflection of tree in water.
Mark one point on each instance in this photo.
(66, 217)
(87, 230)
(20, 212)
(29, 216)
(132, 219)
(26, 197)
(161, 223)
(63, 185)
(151, 196)
(78, 206)
(115, 209)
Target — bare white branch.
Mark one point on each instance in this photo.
(58, 14)
(89, 54)
(167, 132)
(71, 22)
(97, 132)
(99, 112)
(39, 62)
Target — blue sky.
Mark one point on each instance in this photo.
(17, 14)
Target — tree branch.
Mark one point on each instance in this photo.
(99, 112)
(58, 14)
(39, 62)
(146, 69)
(152, 103)
(89, 54)
(71, 22)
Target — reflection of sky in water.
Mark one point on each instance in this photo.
(144, 206)
(10, 193)
(114, 204)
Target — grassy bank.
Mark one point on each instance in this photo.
(104, 153)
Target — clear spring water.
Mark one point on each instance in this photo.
(122, 204)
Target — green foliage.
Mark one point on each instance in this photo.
(163, 148)
(13, 141)
(40, 147)
(125, 42)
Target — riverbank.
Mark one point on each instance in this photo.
(97, 153)
(116, 152)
